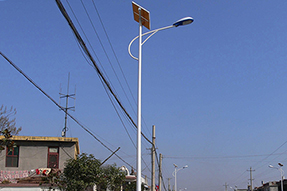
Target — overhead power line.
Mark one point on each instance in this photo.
(106, 84)
(223, 157)
(105, 87)
(61, 108)
(100, 74)
(107, 36)
(270, 154)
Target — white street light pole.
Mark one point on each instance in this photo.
(174, 174)
(141, 15)
(139, 106)
(281, 173)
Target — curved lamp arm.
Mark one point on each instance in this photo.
(153, 32)
(180, 22)
(280, 169)
(176, 170)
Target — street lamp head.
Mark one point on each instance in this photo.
(175, 165)
(183, 21)
(185, 166)
(270, 166)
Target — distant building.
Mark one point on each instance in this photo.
(271, 186)
(33, 153)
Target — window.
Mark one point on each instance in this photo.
(12, 156)
(53, 157)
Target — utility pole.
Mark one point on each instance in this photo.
(168, 184)
(159, 172)
(153, 160)
(251, 180)
(225, 185)
(67, 96)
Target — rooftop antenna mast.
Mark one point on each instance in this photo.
(67, 96)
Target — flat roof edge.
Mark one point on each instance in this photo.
(36, 138)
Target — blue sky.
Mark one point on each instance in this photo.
(215, 90)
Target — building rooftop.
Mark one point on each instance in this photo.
(47, 139)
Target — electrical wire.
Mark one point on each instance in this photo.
(94, 5)
(109, 61)
(107, 36)
(106, 89)
(270, 154)
(221, 157)
(60, 107)
(100, 74)
(110, 100)
(86, 51)
(95, 31)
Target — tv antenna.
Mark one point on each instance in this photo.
(67, 96)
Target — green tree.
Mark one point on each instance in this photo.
(132, 186)
(85, 171)
(112, 178)
(82, 172)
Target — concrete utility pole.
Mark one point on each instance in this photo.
(251, 180)
(153, 160)
(159, 172)
(168, 184)
(225, 185)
